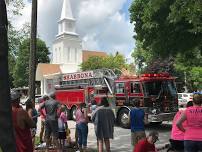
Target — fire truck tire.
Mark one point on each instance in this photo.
(73, 113)
(156, 123)
(123, 118)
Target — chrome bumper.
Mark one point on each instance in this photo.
(161, 117)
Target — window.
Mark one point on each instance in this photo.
(68, 54)
(75, 54)
(120, 87)
(55, 55)
(135, 87)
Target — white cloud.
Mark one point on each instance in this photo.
(99, 23)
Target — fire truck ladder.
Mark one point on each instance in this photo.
(102, 77)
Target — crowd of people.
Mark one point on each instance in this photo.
(54, 124)
(186, 134)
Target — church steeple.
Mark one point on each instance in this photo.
(67, 48)
(66, 24)
(66, 10)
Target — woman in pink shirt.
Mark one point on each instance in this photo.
(82, 126)
(193, 132)
(177, 136)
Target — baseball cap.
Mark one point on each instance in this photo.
(15, 95)
(154, 134)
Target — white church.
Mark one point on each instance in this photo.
(67, 52)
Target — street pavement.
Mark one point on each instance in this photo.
(122, 137)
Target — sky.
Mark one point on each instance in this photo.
(103, 25)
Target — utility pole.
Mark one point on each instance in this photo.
(7, 140)
(32, 59)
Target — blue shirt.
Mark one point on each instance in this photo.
(137, 119)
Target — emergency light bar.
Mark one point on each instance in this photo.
(155, 75)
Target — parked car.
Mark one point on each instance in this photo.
(183, 98)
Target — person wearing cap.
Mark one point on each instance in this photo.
(22, 124)
(147, 144)
(43, 116)
(136, 118)
(51, 107)
(193, 132)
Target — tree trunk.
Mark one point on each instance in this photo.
(7, 140)
(32, 60)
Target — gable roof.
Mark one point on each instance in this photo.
(87, 54)
(46, 69)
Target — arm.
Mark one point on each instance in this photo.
(180, 121)
(28, 121)
(93, 115)
(86, 114)
(30, 113)
(41, 106)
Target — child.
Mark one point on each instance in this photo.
(62, 127)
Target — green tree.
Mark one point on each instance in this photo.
(167, 27)
(142, 58)
(117, 61)
(170, 29)
(15, 37)
(196, 78)
(21, 70)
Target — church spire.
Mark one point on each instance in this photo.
(66, 24)
(66, 10)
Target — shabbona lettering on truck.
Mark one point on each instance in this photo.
(77, 76)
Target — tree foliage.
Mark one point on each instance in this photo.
(21, 70)
(147, 62)
(117, 61)
(15, 37)
(169, 30)
(167, 27)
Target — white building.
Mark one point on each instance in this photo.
(67, 52)
(67, 48)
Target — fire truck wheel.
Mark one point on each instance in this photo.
(123, 118)
(73, 113)
(156, 123)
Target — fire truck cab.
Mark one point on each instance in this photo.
(156, 92)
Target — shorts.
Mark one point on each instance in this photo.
(192, 146)
(136, 136)
(177, 144)
(62, 134)
(51, 128)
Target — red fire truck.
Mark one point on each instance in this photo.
(156, 92)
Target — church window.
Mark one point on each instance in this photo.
(66, 26)
(60, 55)
(61, 27)
(76, 54)
(55, 55)
(70, 25)
(68, 54)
